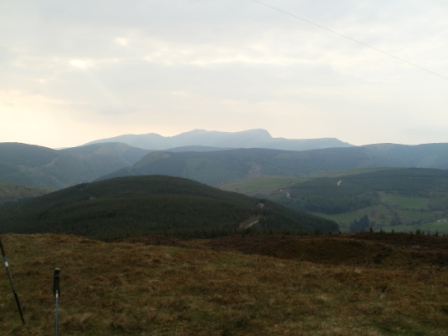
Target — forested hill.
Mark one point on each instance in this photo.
(42, 167)
(352, 192)
(215, 168)
(136, 206)
(218, 167)
(408, 197)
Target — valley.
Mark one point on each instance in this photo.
(390, 197)
(224, 168)
(332, 183)
(210, 240)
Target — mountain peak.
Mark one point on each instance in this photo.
(254, 138)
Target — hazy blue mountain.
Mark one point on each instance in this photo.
(197, 149)
(218, 167)
(420, 156)
(42, 167)
(257, 138)
(112, 153)
(55, 169)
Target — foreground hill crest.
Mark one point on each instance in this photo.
(133, 206)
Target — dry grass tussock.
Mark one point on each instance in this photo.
(137, 289)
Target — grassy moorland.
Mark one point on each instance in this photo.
(385, 285)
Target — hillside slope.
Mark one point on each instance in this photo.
(219, 167)
(136, 206)
(389, 197)
(215, 168)
(43, 167)
(10, 193)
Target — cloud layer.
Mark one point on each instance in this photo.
(77, 71)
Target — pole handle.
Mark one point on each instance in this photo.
(56, 289)
(5, 260)
(3, 251)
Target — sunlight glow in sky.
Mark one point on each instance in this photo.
(72, 72)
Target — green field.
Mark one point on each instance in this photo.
(354, 171)
(412, 211)
(344, 219)
(428, 228)
(270, 184)
(389, 197)
(12, 192)
(406, 202)
(262, 185)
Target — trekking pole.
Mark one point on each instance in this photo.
(57, 293)
(12, 283)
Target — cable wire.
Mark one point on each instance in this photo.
(351, 39)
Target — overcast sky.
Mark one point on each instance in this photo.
(76, 71)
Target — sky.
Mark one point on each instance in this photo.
(76, 71)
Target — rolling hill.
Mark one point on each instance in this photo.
(43, 167)
(10, 193)
(215, 168)
(389, 197)
(219, 167)
(135, 206)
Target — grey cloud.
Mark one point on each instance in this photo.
(171, 58)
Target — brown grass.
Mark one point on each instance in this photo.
(137, 289)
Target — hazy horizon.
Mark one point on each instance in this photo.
(81, 71)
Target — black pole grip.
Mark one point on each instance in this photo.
(3, 251)
(5, 260)
(56, 288)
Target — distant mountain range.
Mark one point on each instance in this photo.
(216, 164)
(207, 157)
(219, 167)
(257, 138)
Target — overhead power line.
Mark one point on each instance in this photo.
(349, 38)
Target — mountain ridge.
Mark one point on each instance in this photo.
(216, 168)
(255, 138)
(42, 167)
